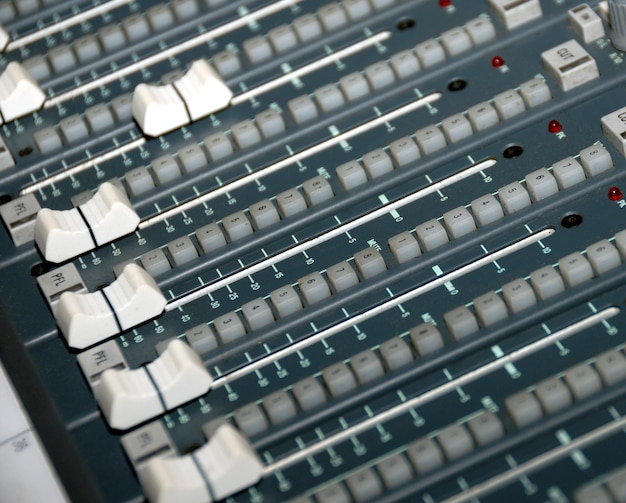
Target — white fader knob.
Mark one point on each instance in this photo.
(173, 480)
(202, 90)
(4, 38)
(20, 94)
(227, 463)
(85, 318)
(129, 397)
(179, 374)
(88, 318)
(64, 234)
(159, 109)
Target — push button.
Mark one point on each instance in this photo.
(586, 23)
(19, 217)
(614, 128)
(516, 13)
(570, 65)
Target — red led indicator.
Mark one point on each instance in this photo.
(554, 126)
(497, 62)
(445, 3)
(615, 194)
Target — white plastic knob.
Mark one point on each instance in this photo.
(109, 214)
(87, 318)
(64, 234)
(158, 109)
(179, 374)
(129, 397)
(4, 38)
(173, 480)
(135, 297)
(203, 90)
(61, 235)
(20, 94)
(617, 9)
(227, 462)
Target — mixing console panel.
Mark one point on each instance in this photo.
(310, 252)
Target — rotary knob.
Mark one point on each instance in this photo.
(617, 10)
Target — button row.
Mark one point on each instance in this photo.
(270, 123)
(9, 10)
(383, 73)
(338, 379)
(426, 338)
(487, 209)
(433, 138)
(369, 262)
(239, 225)
(461, 438)
(77, 127)
(517, 295)
(85, 319)
(304, 29)
(576, 383)
(217, 146)
(314, 287)
(418, 459)
(110, 38)
(286, 301)
(611, 489)
(129, 397)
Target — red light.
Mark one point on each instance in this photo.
(497, 62)
(554, 126)
(615, 194)
(445, 3)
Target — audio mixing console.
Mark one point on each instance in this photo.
(312, 252)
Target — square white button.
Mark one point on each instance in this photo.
(614, 128)
(570, 65)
